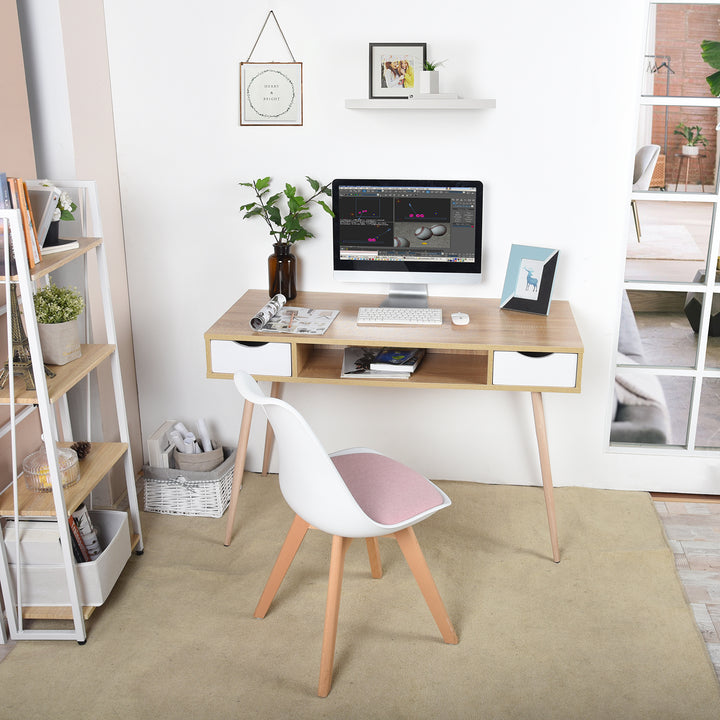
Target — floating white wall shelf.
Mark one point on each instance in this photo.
(419, 104)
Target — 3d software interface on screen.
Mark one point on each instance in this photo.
(427, 224)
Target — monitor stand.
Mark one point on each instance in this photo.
(406, 295)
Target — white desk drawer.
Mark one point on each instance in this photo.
(553, 370)
(272, 358)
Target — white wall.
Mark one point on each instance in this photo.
(555, 157)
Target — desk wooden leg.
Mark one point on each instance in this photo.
(275, 391)
(240, 456)
(541, 432)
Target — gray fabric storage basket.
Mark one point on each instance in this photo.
(187, 492)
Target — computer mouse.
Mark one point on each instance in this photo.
(460, 318)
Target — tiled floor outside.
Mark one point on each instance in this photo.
(693, 531)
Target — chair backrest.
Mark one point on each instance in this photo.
(309, 482)
(645, 160)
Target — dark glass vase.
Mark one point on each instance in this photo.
(282, 271)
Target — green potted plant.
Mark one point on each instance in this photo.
(285, 214)
(693, 138)
(430, 77)
(57, 310)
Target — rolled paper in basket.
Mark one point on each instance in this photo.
(267, 311)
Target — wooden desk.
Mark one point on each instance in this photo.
(497, 350)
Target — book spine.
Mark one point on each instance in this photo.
(31, 222)
(78, 540)
(17, 204)
(87, 531)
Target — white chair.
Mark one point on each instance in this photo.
(355, 493)
(645, 160)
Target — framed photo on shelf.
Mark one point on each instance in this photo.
(271, 93)
(395, 69)
(529, 279)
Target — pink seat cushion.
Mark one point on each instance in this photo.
(387, 491)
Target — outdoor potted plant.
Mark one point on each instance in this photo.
(285, 229)
(693, 138)
(57, 310)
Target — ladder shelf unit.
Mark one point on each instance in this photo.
(17, 502)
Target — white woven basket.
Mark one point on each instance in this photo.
(187, 492)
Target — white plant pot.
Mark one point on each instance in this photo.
(429, 82)
(691, 150)
(60, 342)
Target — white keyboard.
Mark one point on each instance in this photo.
(399, 316)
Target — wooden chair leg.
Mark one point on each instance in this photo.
(373, 548)
(332, 612)
(292, 543)
(416, 560)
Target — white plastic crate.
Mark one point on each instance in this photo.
(44, 582)
(187, 492)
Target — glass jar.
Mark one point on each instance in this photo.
(282, 271)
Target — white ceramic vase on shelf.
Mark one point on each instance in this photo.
(429, 82)
(690, 150)
(60, 342)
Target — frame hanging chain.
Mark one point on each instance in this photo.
(262, 29)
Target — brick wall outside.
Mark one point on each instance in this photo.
(679, 31)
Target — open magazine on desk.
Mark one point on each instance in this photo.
(277, 317)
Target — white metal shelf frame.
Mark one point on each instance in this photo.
(12, 594)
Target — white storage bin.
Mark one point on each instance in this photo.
(527, 370)
(272, 358)
(45, 584)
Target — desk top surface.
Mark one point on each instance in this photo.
(489, 327)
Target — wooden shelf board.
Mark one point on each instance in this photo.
(445, 369)
(52, 262)
(66, 376)
(53, 612)
(93, 468)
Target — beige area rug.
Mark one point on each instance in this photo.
(604, 634)
(663, 242)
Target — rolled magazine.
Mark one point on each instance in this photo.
(267, 311)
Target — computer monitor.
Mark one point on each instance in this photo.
(407, 233)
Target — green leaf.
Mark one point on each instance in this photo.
(324, 206)
(249, 206)
(272, 200)
(262, 183)
(274, 215)
(314, 184)
(289, 190)
(246, 184)
(295, 204)
(714, 82)
(711, 53)
(252, 213)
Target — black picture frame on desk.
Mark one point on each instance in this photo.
(529, 279)
(387, 78)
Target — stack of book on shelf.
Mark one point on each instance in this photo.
(14, 196)
(386, 363)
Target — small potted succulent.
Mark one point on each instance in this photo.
(693, 138)
(285, 230)
(430, 78)
(57, 310)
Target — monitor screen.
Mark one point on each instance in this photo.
(407, 231)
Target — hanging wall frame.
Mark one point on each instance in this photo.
(271, 92)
